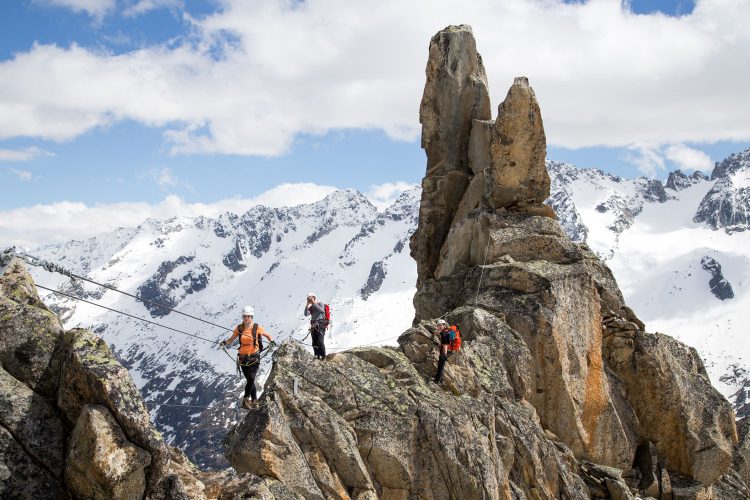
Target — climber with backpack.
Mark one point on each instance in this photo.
(248, 353)
(450, 342)
(320, 318)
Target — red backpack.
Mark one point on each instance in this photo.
(328, 314)
(455, 335)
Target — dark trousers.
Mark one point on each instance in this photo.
(441, 366)
(250, 365)
(318, 334)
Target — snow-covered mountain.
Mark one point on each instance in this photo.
(677, 249)
(343, 249)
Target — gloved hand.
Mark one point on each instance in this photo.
(273, 344)
(223, 343)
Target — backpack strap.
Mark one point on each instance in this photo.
(240, 329)
(255, 335)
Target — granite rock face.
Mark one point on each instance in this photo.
(558, 387)
(365, 424)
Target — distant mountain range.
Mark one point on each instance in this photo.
(677, 249)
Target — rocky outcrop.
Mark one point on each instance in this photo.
(365, 424)
(558, 390)
(72, 422)
(720, 287)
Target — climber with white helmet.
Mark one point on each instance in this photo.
(319, 317)
(248, 354)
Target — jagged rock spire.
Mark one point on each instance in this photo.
(455, 94)
(472, 161)
(517, 149)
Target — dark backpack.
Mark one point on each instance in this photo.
(257, 340)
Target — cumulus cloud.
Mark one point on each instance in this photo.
(383, 195)
(63, 221)
(688, 158)
(25, 154)
(255, 74)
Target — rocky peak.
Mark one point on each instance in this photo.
(558, 390)
(727, 205)
(731, 164)
(679, 181)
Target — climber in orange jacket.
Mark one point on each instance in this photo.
(248, 354)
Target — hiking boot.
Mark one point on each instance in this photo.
(247, 404)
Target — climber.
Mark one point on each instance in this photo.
(318, 324)
(444, 330)
(248, 354)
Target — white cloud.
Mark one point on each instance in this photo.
(647, 158)
(688, 158)
(63, 221)
(23, 175)
(603, 75)
(650, 158)
(383, 195)
(94, 8)
(25, 154)
(144, 6)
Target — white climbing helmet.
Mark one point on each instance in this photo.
(441, 322)
(310, 294)
(248, 311)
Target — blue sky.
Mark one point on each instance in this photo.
(133, 101)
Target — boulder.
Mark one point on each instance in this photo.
(101, 462)
(691, 424)
(21, 476)
(92, 375)
(34, 423)
(31, 340)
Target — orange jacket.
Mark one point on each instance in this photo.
(247, 346)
